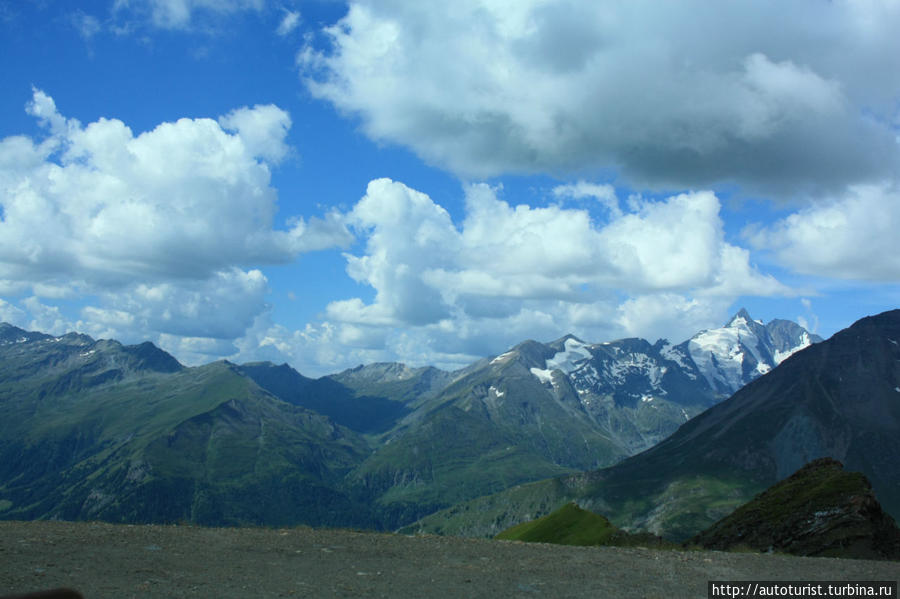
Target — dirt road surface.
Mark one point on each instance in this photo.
(105, 560)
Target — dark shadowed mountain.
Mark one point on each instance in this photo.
(345, 405)
(820, 510)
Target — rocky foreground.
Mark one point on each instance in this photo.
(105, 560)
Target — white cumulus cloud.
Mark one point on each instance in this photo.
(675, 95)
(448, 293)
(167, 226)
(188, 199)
(852, 236)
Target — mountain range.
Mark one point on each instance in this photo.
(839, 398)
(540, 410)
(96, 429)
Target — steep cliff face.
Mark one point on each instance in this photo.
(820, 510)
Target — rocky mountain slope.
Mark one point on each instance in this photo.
(820, 510)
(838, 398)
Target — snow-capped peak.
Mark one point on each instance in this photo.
(727, 358)
(732, 356)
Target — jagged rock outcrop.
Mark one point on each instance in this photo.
(821, 510)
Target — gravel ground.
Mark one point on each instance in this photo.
(105, 560)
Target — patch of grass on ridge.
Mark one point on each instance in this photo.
(571, 525)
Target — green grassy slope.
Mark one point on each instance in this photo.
(451, 457)
(103, 431)
(488, 430)
(569, 525)
(674, 507)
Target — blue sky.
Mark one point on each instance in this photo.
(329, 183)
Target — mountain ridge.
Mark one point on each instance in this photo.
(97, 430)
(837, 398)
(398, 442)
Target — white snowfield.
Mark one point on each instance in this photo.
(575, 361)
(636, 362)
(573, 357)
(672, 352)
(543, 375)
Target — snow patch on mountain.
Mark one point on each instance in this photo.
(635, 364)
(543, 375)
(720, 353)
(744, 349)
(671, 352)
(678, 355)
(781, 356)
(573, 357)
(727, 358)
(503, 357)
